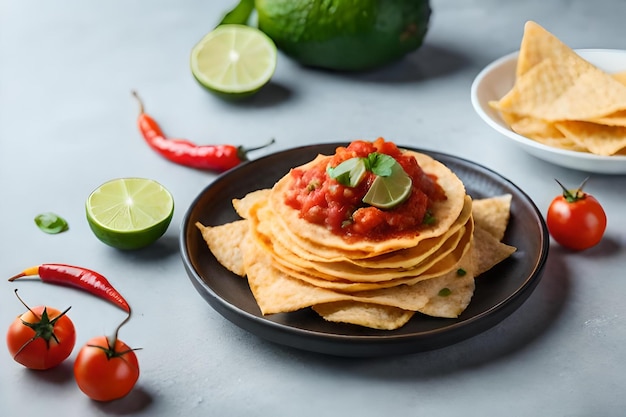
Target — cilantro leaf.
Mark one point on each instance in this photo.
(380, 164)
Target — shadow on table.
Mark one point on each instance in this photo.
(136, 401)
(532, 320)
(166, 247)
(428, 62)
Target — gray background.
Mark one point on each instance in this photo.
(67, 124)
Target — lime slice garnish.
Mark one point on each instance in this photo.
(390, 191)
(350, 172)
(234, 60)
(129, 213)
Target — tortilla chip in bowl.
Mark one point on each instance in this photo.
(558, 104)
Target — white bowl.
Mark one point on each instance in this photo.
(498, 78)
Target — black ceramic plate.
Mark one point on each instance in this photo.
(498, 293)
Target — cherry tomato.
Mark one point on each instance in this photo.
(575, 219)
(41, 338)
(105, 369)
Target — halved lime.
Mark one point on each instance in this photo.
(234, 60)
(129, 213)
(390, 191)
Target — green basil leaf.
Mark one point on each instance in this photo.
(51, 223)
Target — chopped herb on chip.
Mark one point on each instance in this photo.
(444, 292)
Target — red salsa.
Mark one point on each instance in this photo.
(322, 200)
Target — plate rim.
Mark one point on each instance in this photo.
(539, 149)
(363, 345)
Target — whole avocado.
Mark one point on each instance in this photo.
(345, 35)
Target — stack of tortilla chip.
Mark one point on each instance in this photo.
(292, 264)
(561, 100)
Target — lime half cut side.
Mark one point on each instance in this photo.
(129, 213)
(234, 60)
(390, 191)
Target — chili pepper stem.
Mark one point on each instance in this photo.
(242, 152)
(256, 148)
(139, 100)
(112, 340)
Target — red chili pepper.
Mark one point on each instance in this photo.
(183, 152)
(77, 277)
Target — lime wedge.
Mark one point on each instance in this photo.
(390, 191)
(240, 14)
(233, 60)
(350, 172)
(129, 213)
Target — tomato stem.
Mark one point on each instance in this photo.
(110, 351)
(44, 328)
(572, 196)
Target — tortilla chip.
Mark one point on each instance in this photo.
(615, 119)
(562, 143)
(559, 90)
(488, 251)
(492, 214)
(363, 314)
(594, 94)
(599, 139)
(540, 86)
(535, 128)
(620, 77)
(276, 292)
(538, 44)
(446, 296)
(224, 241)
(449, 295)
(243, 205)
